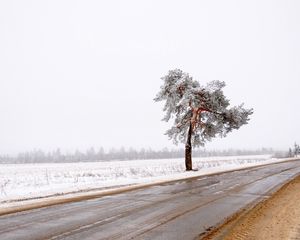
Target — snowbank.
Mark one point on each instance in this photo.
(26, 181)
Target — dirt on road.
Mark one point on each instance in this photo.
(277, 218)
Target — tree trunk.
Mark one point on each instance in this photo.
(188, 150)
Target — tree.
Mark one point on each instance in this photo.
(296, 149)
(200, 112)
(290, 153)
(91, 154)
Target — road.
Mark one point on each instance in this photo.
(179, 210)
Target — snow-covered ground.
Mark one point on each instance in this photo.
(26, 181)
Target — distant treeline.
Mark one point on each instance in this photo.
(92, 155)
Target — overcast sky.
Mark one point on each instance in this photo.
(75, 74)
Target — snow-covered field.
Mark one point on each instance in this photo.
(25, 181)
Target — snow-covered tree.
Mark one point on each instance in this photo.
(200, 112)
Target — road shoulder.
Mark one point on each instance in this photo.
(276, 218)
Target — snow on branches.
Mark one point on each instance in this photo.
(204, 109)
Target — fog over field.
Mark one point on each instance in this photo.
(77, 74)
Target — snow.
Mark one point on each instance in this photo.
(29, 181)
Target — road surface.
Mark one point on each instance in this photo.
(179, 210)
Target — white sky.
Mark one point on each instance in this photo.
(75, 74)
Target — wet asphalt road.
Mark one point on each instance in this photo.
(177, 210)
